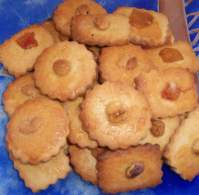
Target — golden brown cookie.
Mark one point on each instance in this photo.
(70, 8)
(65, 70)
(37, 130)
(148, 28)
(170, 92)
(123, 63)
(178, 55)
(135, 168)
(182, 153)
(19, 53)
(116, 115)
(101, 30)
(39, 177)
(77, 134)
(161, 131)
(18, 92)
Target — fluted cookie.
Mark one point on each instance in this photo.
(116, 115)
(65, 71)
(170, 92)
(135, 168)
(148, 28)
(101, 30)
(37, 130)
(19, 53)
(70, 8)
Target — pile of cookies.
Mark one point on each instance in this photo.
(111, 95)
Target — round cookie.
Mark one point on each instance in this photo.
(37, 130)
(123, 63)
(18, 92)
(116, 115)
(69, 8)
(65, 71)
(170, 92)
(19, 53)
(77, 134)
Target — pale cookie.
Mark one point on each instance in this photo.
(37, 130)
(70, 8)
(39, 177)
(77, 134)
(182, 153)
(19, 53)
(161, 131)
(132, 169)
(170, 92)
(148, 28)
(116, 115)
(101, 30)
(65, 71)
(18, 92)
(178, 55)
(123, 63)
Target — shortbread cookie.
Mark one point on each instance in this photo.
(69, 8)
(18, 92)
(178, 55)
(37, 130)
(123, 63)
(135, 168)
(77, 134)
(148, 28)
(182, 153)
(39, 177)
(65, 70)
(170, 92)
(19, 53)
(101, 30)
(161, 131)
(116, 115)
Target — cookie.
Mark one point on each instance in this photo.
(169, 92)
(148, 28)
(19, 53)
(116, 115)
(123, 63)
(132, 169)
(161, 131)
(37, 130)
(101, 30)
(77, 134)
(70, 8)
(182, 153)
(65, 71)
(178, 55)
(18, 92)
(39, 177)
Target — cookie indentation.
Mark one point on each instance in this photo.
(157, 128)
(61, 67)
(82, 10)
(29, 90)
(134, 170)
(171, 92)
(131, 63)
(195, 147)
(102, 23)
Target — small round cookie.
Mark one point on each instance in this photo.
(177, 55)
(39, 177)
(37, 130)
(65, 70)
(101, 30)
(148, 28)
(123, 63)
(19, 53)
(182, 153)
(161, 131)
(116, 115)
(69, 8)
(18, 92)
(131, 169)
(169, 92)
(77, 134)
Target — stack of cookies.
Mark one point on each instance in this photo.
(111, 95)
